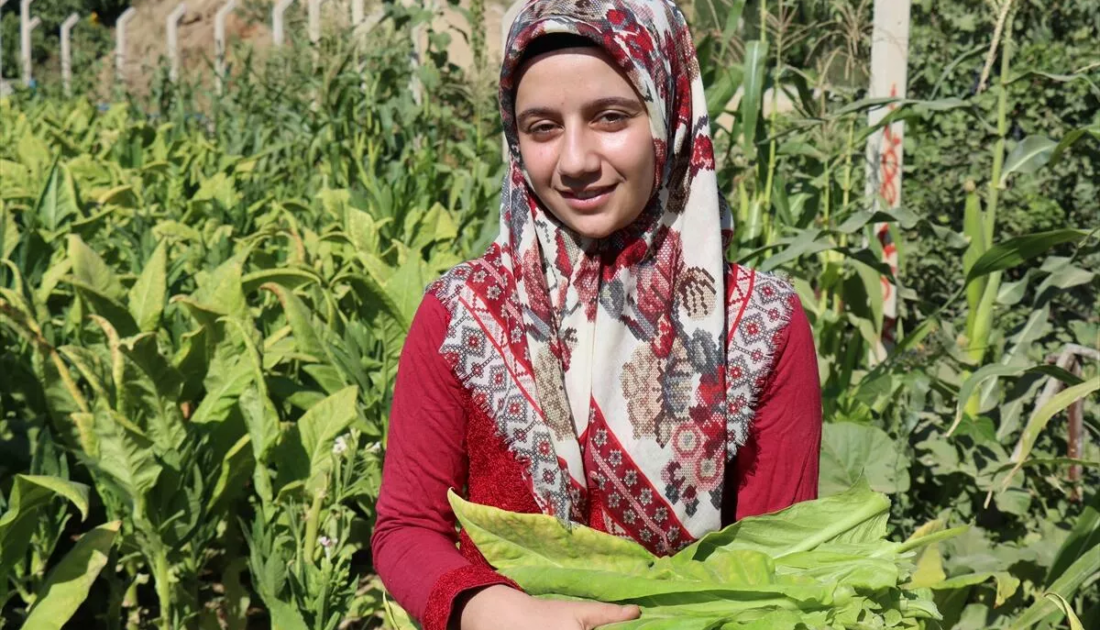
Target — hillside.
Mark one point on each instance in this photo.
(251, 24)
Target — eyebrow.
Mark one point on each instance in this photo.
(602, 103)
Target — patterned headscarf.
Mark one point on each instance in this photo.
(604, 363)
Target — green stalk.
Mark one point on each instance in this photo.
(313, 518)
(983, 319)
(162, 582)
(848, 170)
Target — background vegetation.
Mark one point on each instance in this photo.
(202, 301)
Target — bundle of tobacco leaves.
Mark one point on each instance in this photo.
(823, 564)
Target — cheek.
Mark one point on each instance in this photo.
(631, 153)
(538, 159)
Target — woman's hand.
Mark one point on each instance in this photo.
(500, 607)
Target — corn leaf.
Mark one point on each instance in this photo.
(1031, 154)
(755, 74)
(1017, 250)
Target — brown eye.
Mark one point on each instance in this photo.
(613, 120)
(540, 129)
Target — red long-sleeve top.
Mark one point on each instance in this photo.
(439, 440)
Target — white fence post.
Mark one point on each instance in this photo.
(419, 50)
(120, 42)
(2, 3)
(315, 30)
(277, 20)
(67, 52)
(219, 44)
(172, 25)
(33, 24)
(356, 13)
(25, 29)
(889, 77)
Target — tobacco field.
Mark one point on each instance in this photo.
(203, 300)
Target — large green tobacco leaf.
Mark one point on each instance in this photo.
(509, 540)
(828, 564)
(230, 373)
(58, 201)
(285, 616)
(1007, 584)
(307, 449)
(147, 294)
(91, 271)
(406, 286)
(306, 336)
(615, 587)
(850, 451)
(29, 495)
(374, 298)
(126, 455)
(854, 516)
(69, 582)
(288, 277)
(219, 295)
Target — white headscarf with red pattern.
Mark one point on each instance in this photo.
(604, 364)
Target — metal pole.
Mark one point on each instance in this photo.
(67, 52)
(171, 25)
(219, 44)
(277, 20)
(120, 42)
(889, 77)
(25, 29)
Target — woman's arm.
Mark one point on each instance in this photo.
(778, 465)
(414, 538)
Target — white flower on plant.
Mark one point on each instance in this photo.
(327, 544)
(340, 446)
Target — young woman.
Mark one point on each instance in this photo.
(601, 362)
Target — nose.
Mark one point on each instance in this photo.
(578, 160)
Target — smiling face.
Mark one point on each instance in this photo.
(585, 140)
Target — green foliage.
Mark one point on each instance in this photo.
(91, 38)
(203, 300)
(822, 563)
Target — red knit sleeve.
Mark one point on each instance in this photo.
(414, 538)
(778, 465)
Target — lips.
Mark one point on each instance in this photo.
(588, 193)
(589, 198)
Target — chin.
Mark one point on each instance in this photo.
(596, 226)
(594, 229)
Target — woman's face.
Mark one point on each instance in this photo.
(585, 140)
